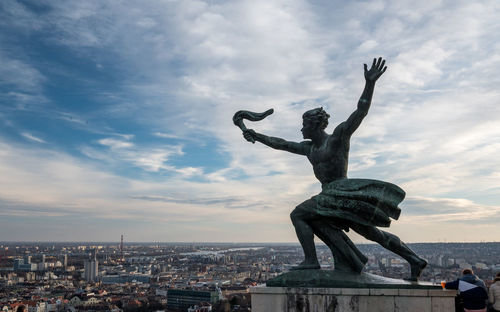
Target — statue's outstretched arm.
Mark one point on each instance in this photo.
(371, 76)
(301, 148)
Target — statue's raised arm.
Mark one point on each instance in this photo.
(371, 76)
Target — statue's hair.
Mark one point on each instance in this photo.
(317, 115)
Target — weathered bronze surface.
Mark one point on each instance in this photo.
(339, 279)
(343, 204)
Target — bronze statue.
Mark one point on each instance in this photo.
(343, 204)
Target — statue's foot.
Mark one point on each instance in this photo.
(307, 266)
(340, 267)
(416, 268)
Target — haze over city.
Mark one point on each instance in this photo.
(117, 118)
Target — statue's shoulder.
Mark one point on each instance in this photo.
(306, 146)
(339, 129)
(337, 134)
(306, 143)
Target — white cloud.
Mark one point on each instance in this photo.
(191, 64)
(113, 143)
(19, 75)
(149, 158)
(31, 137)
(33, 180)
(21, 83)
(165, 135)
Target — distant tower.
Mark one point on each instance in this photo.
(121, 247)
(65, 261)
(44, 265)
(91, 267)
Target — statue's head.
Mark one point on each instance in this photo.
(313, 120)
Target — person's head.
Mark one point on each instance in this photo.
(497, 277)
(313, 120)
(467, 272)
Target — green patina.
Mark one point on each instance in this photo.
(338, 279)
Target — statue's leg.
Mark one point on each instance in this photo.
(394, 244)
(346, 255)
(300, 216)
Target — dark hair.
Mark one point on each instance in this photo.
(497, 277)
(317, 115)
(467, 271)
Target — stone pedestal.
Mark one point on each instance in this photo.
(290, 299)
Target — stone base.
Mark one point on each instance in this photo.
(339, 279)
(287, 299)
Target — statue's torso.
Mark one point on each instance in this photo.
(330, 160)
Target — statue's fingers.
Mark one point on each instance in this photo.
(382, 64)
(378, 62)
(366, 67)
(249, 137)
(374, 61)
(383, 70)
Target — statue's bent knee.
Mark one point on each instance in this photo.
(295, 214)
(304, 211)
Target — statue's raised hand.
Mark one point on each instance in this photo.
(376, 70)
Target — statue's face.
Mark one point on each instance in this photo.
(308, 128)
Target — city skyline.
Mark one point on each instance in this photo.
(74, 275)
(117, 119)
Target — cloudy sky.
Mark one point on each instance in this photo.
(116, 116)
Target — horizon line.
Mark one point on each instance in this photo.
(199, 242)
